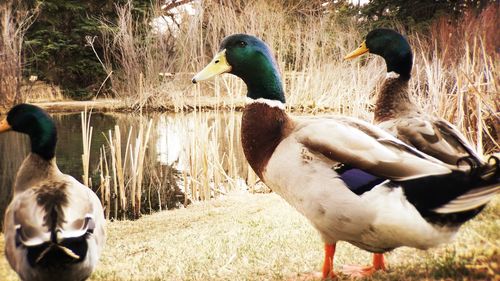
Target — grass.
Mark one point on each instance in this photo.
(260, 237)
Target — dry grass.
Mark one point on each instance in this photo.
(100, 105)
(137, 171)
(39, 91)
(213, 168)
(132, 177)
(260, 237)
(303, 55)
(454, 76)
(122, 176)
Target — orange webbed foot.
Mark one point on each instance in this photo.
(364, 271)
(357, 270)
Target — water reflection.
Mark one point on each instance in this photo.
(168, 144)
(175, 139)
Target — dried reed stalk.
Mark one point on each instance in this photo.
(137, 156)
(119, 169)
(87, 141)
(113, 156)
(105, 182)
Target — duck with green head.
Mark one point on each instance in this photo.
(352, 180)
(395, 110)
(54, 225)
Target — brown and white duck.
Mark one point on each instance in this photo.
(352, 180)
(54, 225)
(395, 111)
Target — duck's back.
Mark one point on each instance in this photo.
(55, 228)
(397, 112)
(431, 135)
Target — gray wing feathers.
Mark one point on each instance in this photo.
(436, 137)
(353, 145)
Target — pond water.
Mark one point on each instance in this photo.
(186, 143)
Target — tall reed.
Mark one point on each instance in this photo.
(104, 182)
(138, 173)
(15, 20)
(118, 168)
(122, 174)
(214, 169)
(456, 75)
(87, 142)
(137, 154)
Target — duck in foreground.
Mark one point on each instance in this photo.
(352, 180)
(398, 114)
(54, 226)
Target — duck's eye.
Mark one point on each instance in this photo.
(242, 44)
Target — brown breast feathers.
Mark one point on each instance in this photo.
(262, 129)
(393, 100)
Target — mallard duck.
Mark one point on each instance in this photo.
(54, 225)
(352, 180)
(398, 114)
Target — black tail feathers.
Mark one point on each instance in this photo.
(493, 171)
(488, 172)
(454, 198)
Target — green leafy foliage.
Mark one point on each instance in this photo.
(55, 45)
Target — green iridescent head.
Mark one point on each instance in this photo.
(390, 45)
(37, 124)
(249, 58)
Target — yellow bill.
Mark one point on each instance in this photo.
(358, 52)
(217, 66)
(4, 126)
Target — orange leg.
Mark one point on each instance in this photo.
(328, 264)
(363, 271)
(379, 262)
